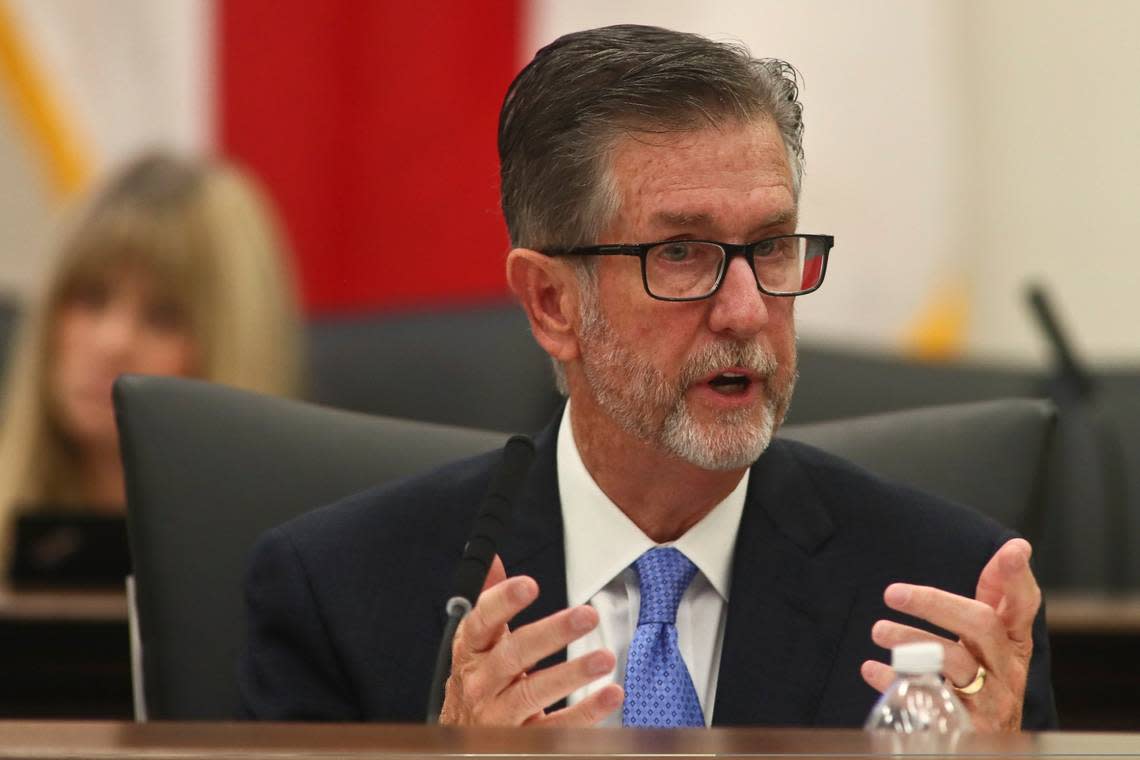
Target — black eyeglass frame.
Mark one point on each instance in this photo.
(731, 250)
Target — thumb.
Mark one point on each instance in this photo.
(1007, 585)
(497, 573)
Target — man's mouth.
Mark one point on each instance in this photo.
(730, 383)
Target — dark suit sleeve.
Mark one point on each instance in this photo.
(1039, 712)
(289, 669)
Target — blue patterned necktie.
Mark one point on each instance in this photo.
(658, 689)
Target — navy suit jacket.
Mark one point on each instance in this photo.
(345, 603)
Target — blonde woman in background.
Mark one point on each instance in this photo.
(176, 267)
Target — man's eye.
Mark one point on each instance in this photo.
(765, 248)
(780, 248)
(674, 253)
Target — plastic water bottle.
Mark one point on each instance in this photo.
(918, 702)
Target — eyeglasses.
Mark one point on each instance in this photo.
(689, 270)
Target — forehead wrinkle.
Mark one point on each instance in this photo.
(731, 182)
(700, 220)
(688, 207)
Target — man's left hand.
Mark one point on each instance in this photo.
(994, 630)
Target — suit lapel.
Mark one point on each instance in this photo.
(787, 604)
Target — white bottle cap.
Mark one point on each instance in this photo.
(917, 658)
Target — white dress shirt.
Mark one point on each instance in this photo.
(601, 545)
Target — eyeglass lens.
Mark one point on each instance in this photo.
(691, 269)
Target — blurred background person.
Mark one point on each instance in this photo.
(175, 267)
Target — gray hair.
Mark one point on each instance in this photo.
(567, 108)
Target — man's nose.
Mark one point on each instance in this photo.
(738, 307)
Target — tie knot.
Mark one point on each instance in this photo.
(664, 574)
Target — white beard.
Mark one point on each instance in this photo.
(633, 393)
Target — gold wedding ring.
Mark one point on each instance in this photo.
(974, 686)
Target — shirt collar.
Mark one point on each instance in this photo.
(601, 541)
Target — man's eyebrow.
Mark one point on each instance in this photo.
(682, 218)
(687, 219)
(786, 216)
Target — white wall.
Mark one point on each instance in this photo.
(27, 213)
(1057, 171)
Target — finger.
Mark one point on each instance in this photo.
(590, 711)
(991, 582)
(958, 664)
(1007, 584)
(542, 688)
(519, 652)
(496, 574)
(976, 624)
(538, 714)
(877, 675)
(487, 621)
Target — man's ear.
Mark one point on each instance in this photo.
(547, 288)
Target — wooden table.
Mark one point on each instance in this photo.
(265, 741)
(86, 606)
(1095, 641)
(64, 654)
(1092, 612)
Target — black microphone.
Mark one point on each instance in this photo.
(491, 522)
(490, 525)
(1071, 375)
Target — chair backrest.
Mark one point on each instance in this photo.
(474, 366)
(1120, 413)
(208, 468)
(1093, 495)
(987, 454)
(837, 383)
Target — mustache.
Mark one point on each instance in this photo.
(750, 356)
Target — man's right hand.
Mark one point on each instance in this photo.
(491, 683)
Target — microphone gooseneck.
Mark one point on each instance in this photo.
(1072, 377)
(490, 526)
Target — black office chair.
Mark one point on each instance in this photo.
(841, 383)
(208, 468)
(987, 454)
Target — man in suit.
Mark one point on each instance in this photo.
(668, 562)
